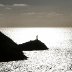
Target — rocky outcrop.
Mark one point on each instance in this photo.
(9, 50)
(33, 45)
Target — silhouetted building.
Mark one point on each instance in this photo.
(33, 45)
(9, 50)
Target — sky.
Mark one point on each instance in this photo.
(35, 13)
(36, 2)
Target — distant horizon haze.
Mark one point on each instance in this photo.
(52, 37)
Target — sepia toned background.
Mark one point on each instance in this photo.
(35, 13)
(15, 18)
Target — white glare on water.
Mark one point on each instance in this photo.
(52, 37)
(56, 59)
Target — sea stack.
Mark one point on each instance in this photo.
(33, 45)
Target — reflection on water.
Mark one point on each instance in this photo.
(57, 59)
(52, 37)
(52, 60)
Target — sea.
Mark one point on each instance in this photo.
(58, 58)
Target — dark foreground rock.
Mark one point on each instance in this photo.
(9, 50)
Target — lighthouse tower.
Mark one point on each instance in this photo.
(37, 37)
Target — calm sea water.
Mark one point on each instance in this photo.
(57, 59)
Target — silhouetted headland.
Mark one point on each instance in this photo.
(33, 45)
(9, 50)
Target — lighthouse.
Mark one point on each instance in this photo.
(37, 37)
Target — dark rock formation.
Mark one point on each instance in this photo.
(9, 50)
(32, 45)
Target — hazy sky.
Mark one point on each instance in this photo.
(37, 2)
(34, 13)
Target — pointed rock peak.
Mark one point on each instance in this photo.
(9, 50)
(1, 33)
